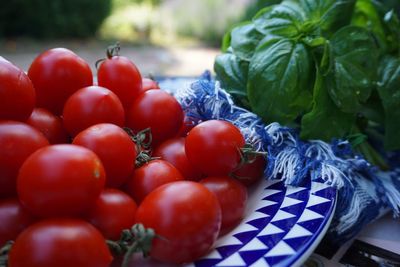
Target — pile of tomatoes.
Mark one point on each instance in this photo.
(90, 170)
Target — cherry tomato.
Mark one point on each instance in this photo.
(187, 125)
(50, 125)
(150, 176)
(188, 217)
(148, 84)
(232, 197)
(17, 141)
(173, 151)
(60, 242)
(121, 76)
(56, 74)
(252, 172)
(214, 147)
(92, 105)
(14, 218)
(158, 110)
(60, 180)
(114, 211)
(17, 95)
(115, 149)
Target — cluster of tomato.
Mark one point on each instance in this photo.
(82, 162)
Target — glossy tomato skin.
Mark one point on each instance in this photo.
(148, 84)
(157, 110)
(187, 215)
(114, 211)
(252, 172)
(14, 219)
(60, 180)
(115, 149)
(56, 74)
(150, 176)
(17, 95)
(62, 243)
(121, 76)
(214, 147)
(17, 141)
(232, 197)
(173, 151)
(50, 125)
(92, 105)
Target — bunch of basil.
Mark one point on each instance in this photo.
(329, 67)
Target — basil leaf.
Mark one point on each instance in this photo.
(355, 60)
(244, 40)
(325, 121)
(389, 92)
(232, 73)
(278, 82)
(329, 14)
(285, 20)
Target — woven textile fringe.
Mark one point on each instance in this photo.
(364, 192)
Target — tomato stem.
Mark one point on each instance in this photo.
(4, 253)
(248, 155)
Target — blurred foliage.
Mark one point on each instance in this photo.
(52, 18)
(255, 6)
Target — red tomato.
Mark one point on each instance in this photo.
(62, 243)
(113, 212)
(50, 125)
(214, 147)
(232, 197)
(250, 173)
(56, 74)
(150, 176)
(115, 149)
(17, 95)
(60, 180)
(188, 217)
(158, 110)
(121, 76)
(187, 125)
(173, 151)
(148, 84)
(17, 141)
(14, 218)
(92, 105)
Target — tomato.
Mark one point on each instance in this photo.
(17, 141)
(173, 151)
(92, 105)
(188, 217)
(252, 172)
(150, 176)
(14, 218)
(115, 149)
(17, 95)
(121, 76)
(56, 74)
(148, 84)
(232, 197)
(60, 242)
(214, 147)
(60, 180)
(114, 211)
(158, 110)
(50, 125)
(187, 125)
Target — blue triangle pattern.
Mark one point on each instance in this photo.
(301, 195)
(277, 197)
(278, 186)
(246, 236)
(269, 210)
(322, 208)
(296, 208)
(206, 262)
(328, 193)
(275, 260)
(312, 225)
(260, 223)
(228, 250)
(286, 224)
(271, 240)
(297, 242)
(250, 257)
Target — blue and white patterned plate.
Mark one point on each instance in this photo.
(282, 227)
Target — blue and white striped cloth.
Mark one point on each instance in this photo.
(364, 192)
